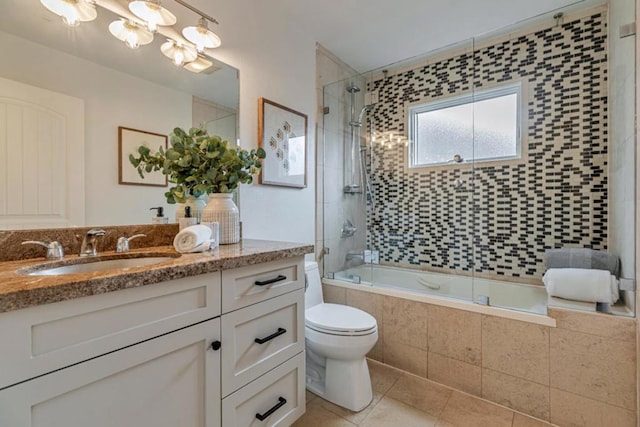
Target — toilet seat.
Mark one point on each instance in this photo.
(336, 319)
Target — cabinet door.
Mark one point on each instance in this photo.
(169, 381)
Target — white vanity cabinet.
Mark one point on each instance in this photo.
(218, 349)
(172, 380)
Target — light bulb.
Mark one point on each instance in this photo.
(178, 58)
(70, 17)
(152, 13)
(132, 40)
(130, 33)
(152, 25)
(72, 12)
(178, 53)
(201, 36)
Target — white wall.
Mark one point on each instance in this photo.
(276, 59)
(112, 99)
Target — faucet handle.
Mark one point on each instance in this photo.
(123, 242)
(54, 249)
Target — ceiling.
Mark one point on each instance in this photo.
(375, 33)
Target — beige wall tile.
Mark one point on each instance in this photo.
(453, 373)
(468, 411)
(516, 393)
(367, 301)
(334, 294)
(520, 420)
(594, 367)
(390, 412)
(570, 410)
(516, 348)
(420, 393)
(407, 358)
(455, 334)
(383, 377)
(405, 321)
(604, 325)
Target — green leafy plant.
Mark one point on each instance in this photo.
(198, 163)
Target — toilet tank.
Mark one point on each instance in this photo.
(313, 285)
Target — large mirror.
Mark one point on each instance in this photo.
(110, 86)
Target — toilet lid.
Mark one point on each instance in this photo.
(339, 319)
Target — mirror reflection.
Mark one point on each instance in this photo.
(63, 95)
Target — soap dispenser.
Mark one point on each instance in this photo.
(159, 218)
(188, 219)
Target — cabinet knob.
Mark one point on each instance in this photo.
(216, 345)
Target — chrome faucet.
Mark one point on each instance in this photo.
(123, 242)
(54, 249)
(356, 256)
(89, 242)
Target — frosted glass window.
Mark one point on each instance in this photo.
(479, 127)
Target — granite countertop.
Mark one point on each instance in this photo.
(19, 290)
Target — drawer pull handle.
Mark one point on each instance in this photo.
(270, 337)
(216, 345)
(281, 402)
(279, 278)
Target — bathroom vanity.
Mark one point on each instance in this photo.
(200, 340)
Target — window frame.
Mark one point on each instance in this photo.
(451, 101)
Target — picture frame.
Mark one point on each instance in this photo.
(128, 142)
(282, 133)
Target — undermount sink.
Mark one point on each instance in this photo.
(85, 265)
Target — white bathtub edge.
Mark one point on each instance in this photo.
(538, 319)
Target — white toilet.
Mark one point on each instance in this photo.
(337, 339)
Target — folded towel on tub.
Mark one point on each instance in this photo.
(195, 238)
(581, 284)
(582, 258)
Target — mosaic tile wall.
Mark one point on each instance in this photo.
(505, 215)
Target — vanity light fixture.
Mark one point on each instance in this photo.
(178, 53)
(138, 29)
(152, 12)
(72, 12)
(132, 34)
(201, 36)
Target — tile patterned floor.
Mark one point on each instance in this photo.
(403, 399)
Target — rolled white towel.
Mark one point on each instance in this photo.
(582, 284)
(195, 238)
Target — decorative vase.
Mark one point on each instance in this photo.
(222, 210)
(197, 204)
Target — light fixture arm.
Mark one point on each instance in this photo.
(193, 9)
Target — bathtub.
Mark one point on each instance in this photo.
(505, 299)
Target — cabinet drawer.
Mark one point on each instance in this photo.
(277, 323)
(249, 285)
(44, 338)
(278, 396)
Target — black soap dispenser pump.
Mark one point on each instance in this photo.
(159, 218)
(188, 220)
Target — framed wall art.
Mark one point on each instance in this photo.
(128, 142)
(282, 132)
